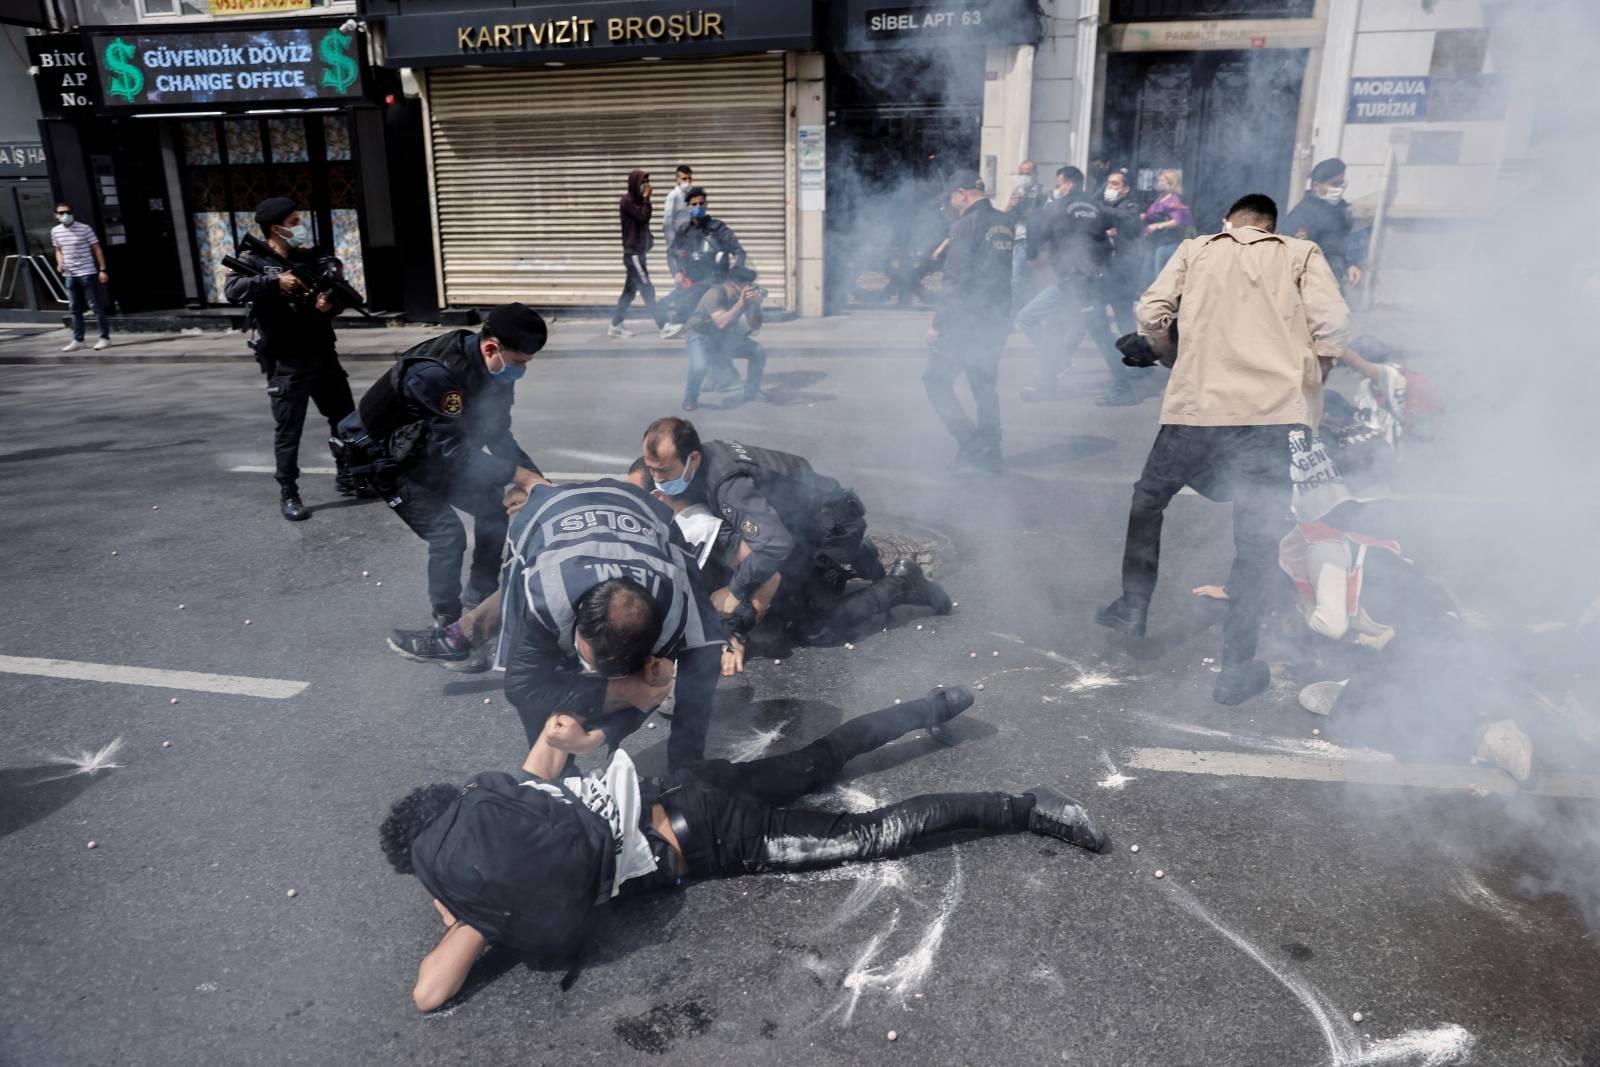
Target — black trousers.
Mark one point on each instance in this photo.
(639, 282)
(737, 823)
(973, 351)
(290, 389)
(428, 504)
(1248, 465)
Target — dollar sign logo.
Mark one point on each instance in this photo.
(339, 71)
(126, 79)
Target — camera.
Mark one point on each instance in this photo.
(1137, 351)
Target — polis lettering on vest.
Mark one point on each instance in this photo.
(556, 33)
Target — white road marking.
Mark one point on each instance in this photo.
(1366, 772)
(231, 684)
(554, 476)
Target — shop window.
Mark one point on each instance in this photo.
(336, 132)
(288, 137)
(244, 141)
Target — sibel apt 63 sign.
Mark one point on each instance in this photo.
(303, 63)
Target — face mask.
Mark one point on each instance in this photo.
(684, 183)
(1333, 194)
(65, 218)
(1025, 179)
(508, 372)
(1112, 195)
(697, 211)
(678, 486)
(298, 235)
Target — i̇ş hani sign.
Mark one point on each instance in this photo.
(234, 67)
(1388, 100)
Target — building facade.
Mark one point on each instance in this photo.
(167, 121)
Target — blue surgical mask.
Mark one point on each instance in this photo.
(678, 486)
(697, 211)
(509, 372)
(299, 234)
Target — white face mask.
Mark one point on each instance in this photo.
(1332, 194)
(1112, 195)
(298, 235)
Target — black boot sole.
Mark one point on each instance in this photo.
(1111, 620)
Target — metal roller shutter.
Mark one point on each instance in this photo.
(528, 166)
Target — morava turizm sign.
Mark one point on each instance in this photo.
(1388, 99)
(305, 63)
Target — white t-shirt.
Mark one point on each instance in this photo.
(614, 796)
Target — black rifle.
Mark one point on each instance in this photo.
(319, 280)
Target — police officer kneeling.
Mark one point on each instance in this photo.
(433, 435)
(294, 346)
(792, 522)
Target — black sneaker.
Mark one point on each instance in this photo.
(1240, 682)
(920, 589)
(1057, 815)
(1125, 616)
(429, 646)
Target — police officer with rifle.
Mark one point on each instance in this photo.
(293, 292)
(433, 434)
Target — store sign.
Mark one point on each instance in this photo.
(22, 159)
(257, 7)
(247, 66)
(901, 22)
(589, 31)
(66, 76)
(1388, 99)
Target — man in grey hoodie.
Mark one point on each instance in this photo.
(634, 209)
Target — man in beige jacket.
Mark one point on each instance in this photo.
(1259, 311)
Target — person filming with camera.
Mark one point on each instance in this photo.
(722, 328)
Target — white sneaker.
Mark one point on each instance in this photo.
(72, 346)
(103, 343)
(618, 331)
(1503, 744)
(1319, 697)
(671, 330)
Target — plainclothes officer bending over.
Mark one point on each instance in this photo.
(294, 345)
(795, 523)
(439, 423)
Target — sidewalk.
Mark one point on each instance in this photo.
(854, 334)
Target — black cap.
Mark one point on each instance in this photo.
(965, 179)
(518, 327)
(273, 210)
(1328, 169)
(692, 192)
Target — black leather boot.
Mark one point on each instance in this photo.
(290, 505)
(1126, 615)
(918, 588)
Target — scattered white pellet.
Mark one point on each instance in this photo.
(364, 574)
(166, 744)
(777, 663)
(955, 603)
(180, 607)
(114, 552)
(1355, 1016)
(892, 1035)
(1316, 733)
(996, 652)
(486, 700)
(155, 507)
(848, 647)
(897, 700)
(1161, 874)
(980, 685)
(919, 625)
(1133, 848)
(649, 726)
(917, 995)
(94, 844)
(294, 892)
(972, 655)
(379, 583)
(174, 700)
(247, 622)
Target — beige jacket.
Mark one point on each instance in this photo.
(1257, 309)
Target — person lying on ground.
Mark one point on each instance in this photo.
(522, 862)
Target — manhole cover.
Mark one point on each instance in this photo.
(898, 539)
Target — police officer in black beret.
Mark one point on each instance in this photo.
(434, 435)
(294, 344)
(787, 520)
(1323, 216)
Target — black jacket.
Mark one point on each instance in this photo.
(977, 269)
(291, 332)
(1128, 243)
(704, 249)
(1071, 233)
(1328, 225)
(635, 211)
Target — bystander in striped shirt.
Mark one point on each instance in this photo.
(76, 243)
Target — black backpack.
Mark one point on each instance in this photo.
(522, 864)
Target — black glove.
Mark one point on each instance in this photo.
(1136, 351)
(741, 620)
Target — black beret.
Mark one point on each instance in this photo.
(273, 210)
(518, 327)
(1328, 168)
(692, 192)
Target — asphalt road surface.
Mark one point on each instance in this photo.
(1301, 883)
